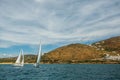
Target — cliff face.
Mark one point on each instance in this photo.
(110, 45)
(71, 53)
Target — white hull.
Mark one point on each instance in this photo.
(36, 65)
(18, 65)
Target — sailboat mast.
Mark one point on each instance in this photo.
(22, 57)
(39, 54)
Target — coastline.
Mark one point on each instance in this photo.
(13, 63)
(72, 63)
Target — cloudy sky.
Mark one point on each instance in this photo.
(23, 23)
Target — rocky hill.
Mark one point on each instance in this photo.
(110, 45)
(73, 53)
(78, 53)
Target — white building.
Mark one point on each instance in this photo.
(108, 57)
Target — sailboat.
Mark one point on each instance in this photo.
(19, 62)
(38, 57)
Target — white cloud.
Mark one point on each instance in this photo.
(26, 22)
(4, 55)
(40, 1)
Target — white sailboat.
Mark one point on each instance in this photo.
(38, 57)
(19, 62)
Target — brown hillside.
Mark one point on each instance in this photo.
(73, 52)
(111, 45)
(28, 59)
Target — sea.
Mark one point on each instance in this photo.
(61, 72)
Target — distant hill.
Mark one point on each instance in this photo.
(110, 45)
(28, 59)
(72, 53)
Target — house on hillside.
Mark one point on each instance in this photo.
(108, 57)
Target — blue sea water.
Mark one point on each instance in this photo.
(61, 72)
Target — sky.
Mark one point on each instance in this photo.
(24, 23)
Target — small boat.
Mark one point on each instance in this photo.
(38, 57)
(20, 60)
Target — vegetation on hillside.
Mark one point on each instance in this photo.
(77, 53)
(111, 45)
(28, 59)
(72, 53)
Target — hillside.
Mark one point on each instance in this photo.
(110, 45)
(78, 53)
(28, 59)
(72, 53)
